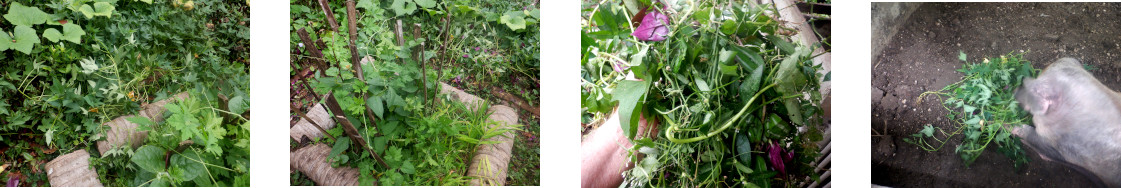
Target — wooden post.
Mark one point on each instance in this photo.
(419, 56)
(400, 34)
(330, 15)
(352, 21)
(443, 48)
(317, 56)
(353, 24)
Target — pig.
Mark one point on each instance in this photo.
(1077, 121)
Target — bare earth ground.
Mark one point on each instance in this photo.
(923, 57)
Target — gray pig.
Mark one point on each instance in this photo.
(1077, 121)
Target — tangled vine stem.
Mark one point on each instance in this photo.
(672, 126)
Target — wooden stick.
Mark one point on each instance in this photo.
(421, 63)
(317, 56)
(517, 102)
(330, 15)
(302, 115)
(340, 117)
(352, 23)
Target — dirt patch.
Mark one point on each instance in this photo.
(922, 57)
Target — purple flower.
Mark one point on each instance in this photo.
(484, 50)
(464, 55)
(476, 48)
(777, 157)
(13, 181)
(652, 28)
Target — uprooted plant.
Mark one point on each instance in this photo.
(983, 107)
(736, 101)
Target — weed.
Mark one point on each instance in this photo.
(984, 107)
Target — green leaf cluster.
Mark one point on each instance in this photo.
(984, 106)
(722, 84)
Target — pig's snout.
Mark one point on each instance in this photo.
(1019, 131)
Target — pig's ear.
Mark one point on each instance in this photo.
(1036, 97)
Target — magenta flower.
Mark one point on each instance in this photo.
(652, 28)
(777, 157)
(464, 55)
(13, 181)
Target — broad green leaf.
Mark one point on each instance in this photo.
(729, 27)
(743, 148)
(103, 9)
(637, 58)
(1003, 136)
(701, 84)
(25, 16)
(788, 79)
(403, 7)
(140, 120)
(6, 41)
(969, 109)
(631, 96)
(369, 5)
(98, 9)
(49, 135)
(72, 33)
(961, 55)
(974, 121)
(375, 103)
(751, 85)
(87, 10)
(536, 13)
(703, 15)
(425, 3)
(238, 105)
(184, 165)
(150, 158)
(379, 144)
(927, 130)
(408, 167)
(52, 34)
(726, 56)
(513, 19)
(341, 145)
(25, 39)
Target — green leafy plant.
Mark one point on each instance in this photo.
(404, 7)
(984, 107)
(198, 141)
(411, 123)
(56, 96)
(722, 83)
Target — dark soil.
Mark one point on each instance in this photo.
(923, 57)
